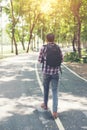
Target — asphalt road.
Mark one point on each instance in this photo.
(21, 94)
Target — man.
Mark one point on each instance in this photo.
(50, 74)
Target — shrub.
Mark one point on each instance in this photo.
(72, 57)
(84, 59)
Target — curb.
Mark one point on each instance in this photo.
(74, 73)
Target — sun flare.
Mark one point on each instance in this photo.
(46, 5)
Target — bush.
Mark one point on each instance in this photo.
(72, 57)
(84, 59)
(84, 55)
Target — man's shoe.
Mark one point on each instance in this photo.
(55, 115)
(44, 106)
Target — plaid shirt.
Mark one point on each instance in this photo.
(47, 69)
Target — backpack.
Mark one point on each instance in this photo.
(53, 56)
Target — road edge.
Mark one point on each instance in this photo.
(74, 73)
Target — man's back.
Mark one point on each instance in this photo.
(46, 68)
(53, 55)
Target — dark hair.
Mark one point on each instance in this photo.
(50, 37)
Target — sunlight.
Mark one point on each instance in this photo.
(23, 106)
(6, 79)
(46, 5)
(67, 101)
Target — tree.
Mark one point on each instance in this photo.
(66, 18)
(14, 22)
(31, 10)
(75, 8)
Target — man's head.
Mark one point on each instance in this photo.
(50, 37)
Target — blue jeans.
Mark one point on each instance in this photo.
(53, 79)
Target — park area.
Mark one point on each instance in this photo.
(24, 25)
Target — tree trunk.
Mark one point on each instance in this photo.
(23, 38)
(75, 7)
(73, 42)
(12, 50)
(29, 42)
(78, 37)
(13, 28)
(31, 31)
(22, 42)
(23, 45)
(16, 49)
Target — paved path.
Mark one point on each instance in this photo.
(21, 95)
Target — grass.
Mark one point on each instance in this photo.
(7, 52)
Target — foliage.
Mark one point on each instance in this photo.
(84, 55)
(72, 57)
(85, 59)
(32, 17)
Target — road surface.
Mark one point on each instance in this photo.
(21, 94)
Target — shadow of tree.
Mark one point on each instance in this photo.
(20, 97)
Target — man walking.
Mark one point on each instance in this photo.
(51, 57)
